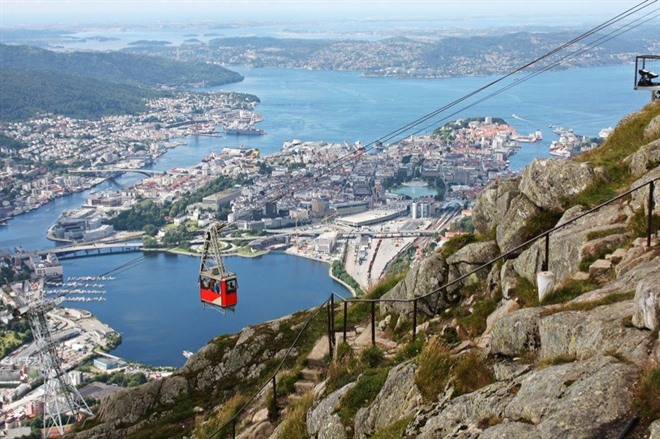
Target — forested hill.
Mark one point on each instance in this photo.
(24, 94)
(125, 68)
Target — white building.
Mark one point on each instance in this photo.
(325, 243)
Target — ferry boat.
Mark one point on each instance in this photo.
(245, 131)
(531, 138)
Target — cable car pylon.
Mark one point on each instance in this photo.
(62, 401)
(218, 288)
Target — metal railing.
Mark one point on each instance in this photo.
(545, 265)
(330, 303)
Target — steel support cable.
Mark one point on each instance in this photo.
(279, 367)
(291, 186)
(132, 261)
(512, 251)
(624, 29)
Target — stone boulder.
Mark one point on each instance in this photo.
(509, 230)
(493, 203)
(646, 308)
(511, 430)
(508, 280)
(398, 399)
(653, 128)
(322, 422)
(422, 279)
(456, 417)
(547, 182)
(640, 197)
(516, 333)
(582, 399)
(129, 405)
(567, 244)
(645, 158)
(582, 334)
(469, 258)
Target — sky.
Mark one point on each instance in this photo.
(34, 13)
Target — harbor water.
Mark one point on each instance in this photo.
(155, 304)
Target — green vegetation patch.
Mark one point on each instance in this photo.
(526, 293)
(456, 243)
(25, 94)
(638, 225)
(115, 67)
(394, 430)
(340, 273)
(475, 322)
(597, 234)
(588, 306)
(471, 373)
(148, 215)
(433, 372)
(648, 395)
(556, 360)
(569, 290)
(361, 394)
(626, 139)
(295, 423)
(216, 420)
(539, 223)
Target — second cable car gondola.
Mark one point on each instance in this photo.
(217, 286)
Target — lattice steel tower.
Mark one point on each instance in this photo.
(62, 401)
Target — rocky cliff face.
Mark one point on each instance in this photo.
(573, 366)
(570, 369)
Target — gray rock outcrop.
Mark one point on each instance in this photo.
(493, 203)
(469, 258)
(422, 279)
(646, 308)
(397, 399)
(597, 389)
(448, 418)
(516, 333)
(582, 334)
(547, 182)
(645, 158)
(322, 422)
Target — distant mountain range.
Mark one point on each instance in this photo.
(92, 84)
(447, 56)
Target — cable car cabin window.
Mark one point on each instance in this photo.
(231, 286)
(205, 282)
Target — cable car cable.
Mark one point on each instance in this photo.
(597, 43)
(272, 197)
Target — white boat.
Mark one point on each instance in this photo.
(187, 354)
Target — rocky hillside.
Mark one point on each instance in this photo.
(492, 359)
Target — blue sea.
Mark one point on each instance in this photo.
(155, 304)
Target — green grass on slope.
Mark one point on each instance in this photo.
(626, 139)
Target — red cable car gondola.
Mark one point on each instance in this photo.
(217, 287)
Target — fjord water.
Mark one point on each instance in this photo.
(155, 304)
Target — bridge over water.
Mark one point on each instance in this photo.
(84, 250)
(147, 172)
